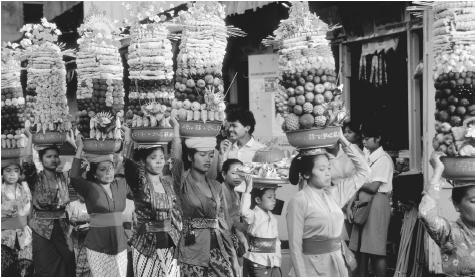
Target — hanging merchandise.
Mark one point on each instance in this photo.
(13, 102)
(377, 50)
(46, 103)
(100, 92)
(453, 51)
(309, 99)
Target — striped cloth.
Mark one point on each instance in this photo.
(105, 265)
(161, 264)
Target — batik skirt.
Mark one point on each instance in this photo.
(17, 262)
(218, 266)
(105, 265)
(161, 264)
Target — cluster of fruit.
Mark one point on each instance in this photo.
(99, 102)
(100, 92)
(455, 113)
(311, 99)
(194, 111)
(47, 106)
(453, 48)
(13, 103)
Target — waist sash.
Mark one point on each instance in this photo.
(111, 219)
(203, 223)
(312, 246)
(157, 226)
(43, 214)
(262, 245)
(13, 223)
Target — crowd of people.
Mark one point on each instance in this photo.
(183, 210)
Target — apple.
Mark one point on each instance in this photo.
(451, 108)
(443, 116)
(319, 99)
(300, 100)
(309, 87)
(309, 97)
(455, 120)
(461, 110)
(310, 78)
(290, 92)
(299, 90)
(297, 109)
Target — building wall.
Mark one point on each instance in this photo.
(12, 15)
(12, 20)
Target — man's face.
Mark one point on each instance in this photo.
(237, 130)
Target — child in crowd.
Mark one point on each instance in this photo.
(231, 180)
(263, 258)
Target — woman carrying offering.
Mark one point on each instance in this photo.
(16, 235)
(157, 233)
(455, 238)
(52, 245)
(206, 247)
(314, 215)
(264, 256)
(105, 198)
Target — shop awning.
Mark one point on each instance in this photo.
(240, 7)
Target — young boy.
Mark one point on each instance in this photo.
(263, 258)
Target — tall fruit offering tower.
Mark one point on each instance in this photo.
(454, 61)
(309, 99)
(100, 93)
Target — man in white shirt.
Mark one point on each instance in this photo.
(240, 144)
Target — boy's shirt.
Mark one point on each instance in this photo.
(262, 224)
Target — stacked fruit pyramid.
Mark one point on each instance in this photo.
(13, 102)
(46, 103)
(100, 92)
(308, 96)
(453, 33)
(199, 83)
(151, 73)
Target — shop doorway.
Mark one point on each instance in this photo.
(384, 103)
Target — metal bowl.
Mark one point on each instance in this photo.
(152, 134)
(313, 137)
(458, 168)
(101, 147)
(199, 129)
(10, 153)
(49, 138)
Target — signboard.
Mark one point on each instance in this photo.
(263, 83)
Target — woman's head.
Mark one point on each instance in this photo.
(352, 132)
(265, 198)
(11, 173)
(229, 175)
(463, 200)
(154, 160)
(315, 169)
(199, 153)
(101, 172)
(49, 158)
